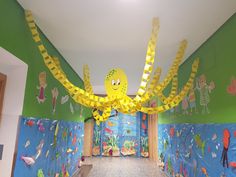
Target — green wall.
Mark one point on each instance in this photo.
(15, 37)
(218, 63)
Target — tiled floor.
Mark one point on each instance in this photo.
(123, 167)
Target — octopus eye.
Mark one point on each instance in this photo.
(118, 82)
(113, 82)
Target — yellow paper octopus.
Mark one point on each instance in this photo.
(116, 82)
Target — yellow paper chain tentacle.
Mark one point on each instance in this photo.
(178, 98)
(105, 115)
(173, 92)
(174, 68)
(155, 80)
(150, 56)
(88, 87)
(79, 95)
(87, 84)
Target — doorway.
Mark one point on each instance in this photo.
(3, 79)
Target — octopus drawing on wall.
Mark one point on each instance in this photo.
(204, 90)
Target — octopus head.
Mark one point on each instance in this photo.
(116, 83)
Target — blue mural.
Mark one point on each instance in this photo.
(122, 135)
(198, 150)
(48, 147)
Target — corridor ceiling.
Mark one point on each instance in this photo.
(114, 33)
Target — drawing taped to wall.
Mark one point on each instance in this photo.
(42, 86)
(55, 94)
(204, 90)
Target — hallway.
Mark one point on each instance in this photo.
(123, 167)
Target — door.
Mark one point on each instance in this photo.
(3, 79)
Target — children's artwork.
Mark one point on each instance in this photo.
(64, 99)
(122, 134)
(42, 85)
(231, 89)
(185, 105)
(192, 101)
(55, 94)
(53, 151)
(72, 108)
(201, 150)
(110, 137)
(204, 90)
(96, 140)
(144, 135)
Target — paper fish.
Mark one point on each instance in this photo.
(27, 143)
(108, 130)
(187, 155)
(232, 164)
(74, 140)
(199, 142)
(55, 135)
(47, 153)
(143, 126)
(40, 126)
(204, 171)
(172, 132)
(214, 137)
(213, 155)
(178, 133)
(69, 150)
(40, 173)
(64, 134)
(30, 123)
(28, 160)
(39, 149)
(64, 99)
(111, 124)
(57, 155)
(144, 117)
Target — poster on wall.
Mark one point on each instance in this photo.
(130, 142)
(110, 138)
(121, 135)
(48, 147)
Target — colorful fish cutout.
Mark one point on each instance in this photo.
(28, 160)
(27, 143)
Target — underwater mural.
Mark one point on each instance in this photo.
(198, 150)
(48, 147)
(122, 135)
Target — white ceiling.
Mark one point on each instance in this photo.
(114, 33)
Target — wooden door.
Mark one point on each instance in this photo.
(88, 137)
(153, 134)
(3, 79)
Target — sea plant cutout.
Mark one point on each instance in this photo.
(116, 82)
